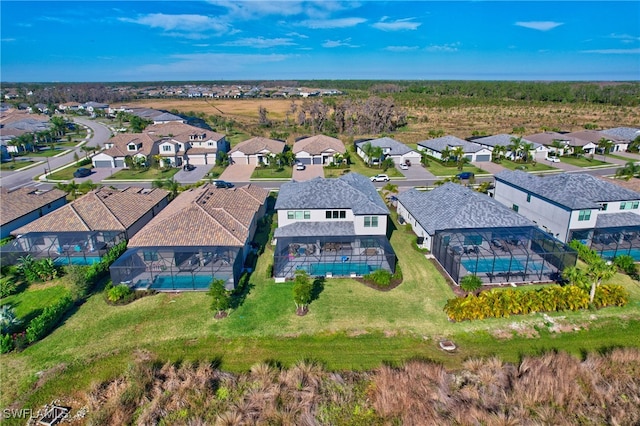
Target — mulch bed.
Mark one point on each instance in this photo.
(395, 282)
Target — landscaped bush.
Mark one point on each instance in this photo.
(380, 277)
(498, 303)
(6, 343)
(98, 270)
(8, 286)
(626, 264)
(41, 325)
(118, 292)
(584, 253)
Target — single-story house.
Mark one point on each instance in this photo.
(256, 151)
(538, 152)
(156, 116)
(204, 234)
(391, 148)
(624, 136)
(472, 151)
(331, 227)
(82, 231)
(595, 136)
(470, 233)
(26, 204)
(567, 143)
(318, 149)
(139, 146)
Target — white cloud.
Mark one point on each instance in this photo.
(7, 40)
(397, 25)
(186, 24)
(249, 10)
(614, 51)
(401, 48)
(188, 64)
(296, 35)
(625, 38)
(450, 47)
(332, 23)
(539, 25)
(260, 42)
(338, 43)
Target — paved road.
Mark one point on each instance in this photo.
(98, 135)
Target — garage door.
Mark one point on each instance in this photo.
(485, 157)
(304, 160)
(119, 163)
(102, 164)
(317, 160)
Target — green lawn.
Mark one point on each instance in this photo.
(582, 161)
(15, 165)
(268, 173)
(149, 174)
(350, 326)
(215, 172)
(530, 167)
(359, 166)
(65, 174)
(617, 157)
(46, 153)
(29, 303)
(440, 170)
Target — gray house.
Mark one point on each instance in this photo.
(391, 148)
(472, 151)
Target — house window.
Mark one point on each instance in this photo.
(604, 207)
(528, 198)
(166, 148)
(299, 215)
(515, 208)
(623, 205)
(131, 147)
(210, 143)
(635, 205)
(371, 221)
(336, 214)
(150, 256)
(584, 215)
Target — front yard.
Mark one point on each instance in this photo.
(272, 173)
(447, 171)
(528, 167)
(144, 174)
(583, 161)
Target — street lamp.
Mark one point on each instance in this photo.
(48, 167)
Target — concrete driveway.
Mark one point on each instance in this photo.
(311, 171)
(238, 173)
(417, 172)
(98, 174)
(194, 175)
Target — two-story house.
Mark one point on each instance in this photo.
(186, 144)
(138, 146)
(331, 227)
(576, 206)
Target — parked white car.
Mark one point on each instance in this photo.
(380, 178)
(553, 159)
(404, 167)
(300, 166)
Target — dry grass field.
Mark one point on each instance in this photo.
(460, 121)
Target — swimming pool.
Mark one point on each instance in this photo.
(77, 260)
(610, 254)
(181, 282)
(499, 264)
(342, 268)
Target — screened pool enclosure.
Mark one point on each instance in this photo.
(502, 255)
(611, 242)
(178, 268)
(333, 255)
(65, 248)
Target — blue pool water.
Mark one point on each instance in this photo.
(499, 264)
(77, 260)
(610, 254)
(336, 268)
(182, 282)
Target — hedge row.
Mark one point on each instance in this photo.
(96, 271)
(499, 303)
(41, 325)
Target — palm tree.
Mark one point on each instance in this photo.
(527, 147)
(557, 146)
(629, 170)
(169, 184)
(575, 276)
(605, 145)
(515, 147)
(458, 152)
(366, 150)
(376, 152)
(499, 151)
(599, 271)
(445, 154)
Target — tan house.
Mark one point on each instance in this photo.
(25, 205)
(256, 151)
(319, 149)
(205, 233)
(182, 143)
(139, 146)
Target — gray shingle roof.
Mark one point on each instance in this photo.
(501, 140)
(351, 191)
(311, 229)
(453, 206)
(439, 144)
(396, 148)
(572, 190)
(617, 219)
(626, 133)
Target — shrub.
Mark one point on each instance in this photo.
(270, 271)
(380, 277)
(118, 292)
(77, 277)
(6, 343)
(584, 253)
(41, 325)
(8, 286)
(627, 264)
(470, 283)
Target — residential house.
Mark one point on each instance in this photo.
(204, 234)
(538, 151)
(595, 136)
(470, 233)
(156, 116)
(81, 232)
(139, 146)
(472, 151)
(566, 143)
(69, 106)
(623, 135)
(92, 107)
(24, 205)
(391, 148)
(183, 143)
(576, 206)
(331, 227)
(318, 149)
(256, 151)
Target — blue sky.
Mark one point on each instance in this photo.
(266, 40)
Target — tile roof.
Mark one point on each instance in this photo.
(351, 191)
(572, 190)
(316, 145)
(205, 216)
(593, 136)
(23, 201)
(452, 206)
(122, 140)
(613, 220)
(259, 144)
(182, 132)
(312, 229)
(623, 133)
(502, 140)
(102, 210)
(547, 138)
(396, 148)
(439, 144)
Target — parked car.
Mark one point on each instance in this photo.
(82, 172)
(380, 178)
(300, 166)
(189, 167)
(222, 184)
(464, 175)
(553, 159)
(407, 162)
(403, 166)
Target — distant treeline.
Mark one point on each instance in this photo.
(414, 93)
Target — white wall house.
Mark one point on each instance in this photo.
(472, 151)
(538, 152)
(319, 149)
(139, 146)
(256, 151)
(391, 148)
